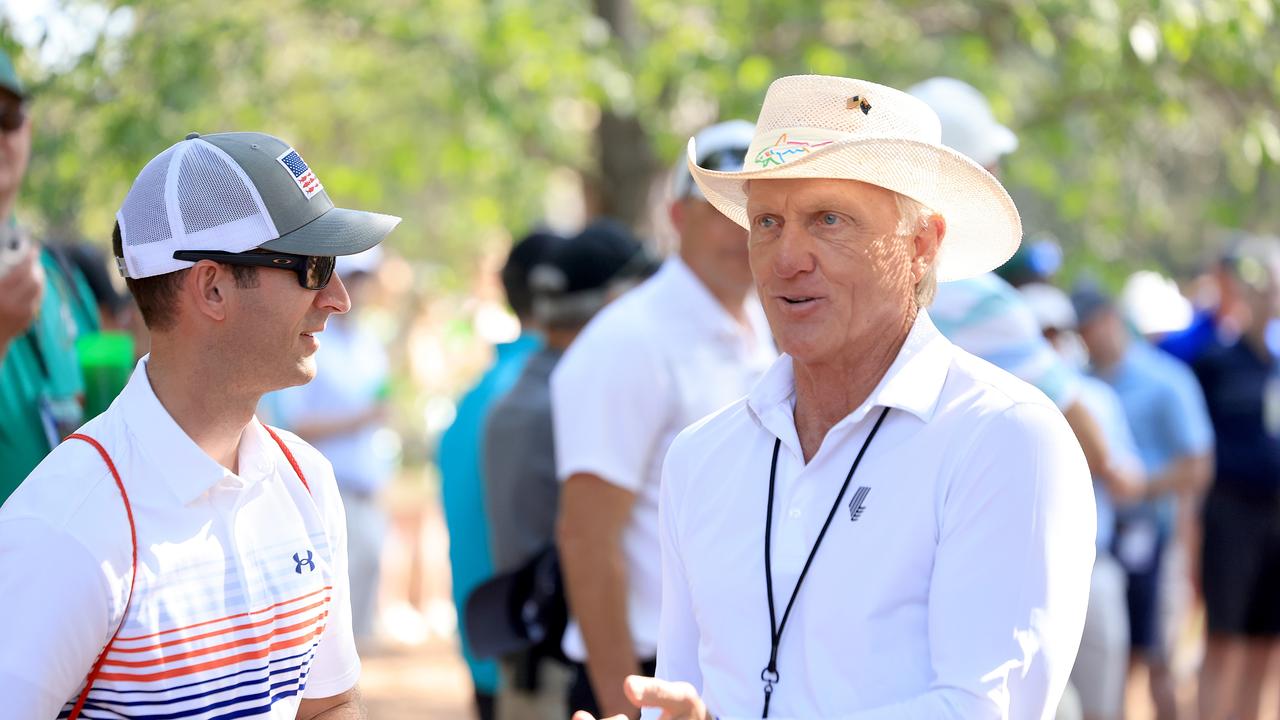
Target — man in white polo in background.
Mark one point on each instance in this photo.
(178, 558)
(685, 343)
(887, 526)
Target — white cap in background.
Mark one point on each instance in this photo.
(968, 125)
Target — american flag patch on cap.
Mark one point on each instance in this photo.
(302, 174)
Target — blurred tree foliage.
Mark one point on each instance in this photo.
(1144, 126)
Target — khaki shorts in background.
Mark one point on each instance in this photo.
(1103, 660)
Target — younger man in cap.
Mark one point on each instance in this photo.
(177, 557)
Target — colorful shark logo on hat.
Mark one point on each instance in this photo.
(785, 150)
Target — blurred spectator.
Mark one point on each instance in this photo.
(522, 494)
(459, 457)
(1218, 321)
(342, 413)
(115, 308)
(1102, 663)
(1155, 306)
(1036, 260)
(687, 342)
(44, 307)
(1166, 412)
(107, 357)
(1241, 562)
(985, 315)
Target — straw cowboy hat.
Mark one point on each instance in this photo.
(813, 126)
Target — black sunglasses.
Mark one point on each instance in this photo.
(12, 115)
(314, 271)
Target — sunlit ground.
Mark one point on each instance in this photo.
(415, 672)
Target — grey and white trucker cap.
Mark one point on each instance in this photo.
(235, 192)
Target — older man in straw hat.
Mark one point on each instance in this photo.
(887, 526)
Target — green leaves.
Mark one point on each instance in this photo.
(1142, 126)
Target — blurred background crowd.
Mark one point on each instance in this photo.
(1148, 146)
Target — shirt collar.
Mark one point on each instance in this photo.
(913, 383)
(186, 469)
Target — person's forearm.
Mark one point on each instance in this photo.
(1090, 437)
(347, 706)
(596, 585)
(352, 710)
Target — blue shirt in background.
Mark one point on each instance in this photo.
(1188, 343)
(1242, 388)
(1166, 412)
(462, 487)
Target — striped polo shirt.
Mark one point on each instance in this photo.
(240, 606)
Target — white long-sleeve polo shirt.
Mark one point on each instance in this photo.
(957, 586)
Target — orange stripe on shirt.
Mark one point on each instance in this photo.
(214, 664)
(250, 613)
(163, 659)
(215, 633)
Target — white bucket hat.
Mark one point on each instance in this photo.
(814, 126)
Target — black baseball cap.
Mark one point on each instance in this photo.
(603, 253)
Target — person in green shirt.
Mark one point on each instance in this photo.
(44, 307)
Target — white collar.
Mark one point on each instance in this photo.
(913, 383)
(187, 470)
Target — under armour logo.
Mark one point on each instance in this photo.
(311, 565)
(855, 505)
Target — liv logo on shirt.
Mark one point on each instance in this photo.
(855, 505)
(301, 561)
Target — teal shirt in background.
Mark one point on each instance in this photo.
(462, 487)
(41, 368)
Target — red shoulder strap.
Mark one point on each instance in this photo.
(133, 573)
(288, 456)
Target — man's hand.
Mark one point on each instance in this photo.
(677, 700)
(21, 291)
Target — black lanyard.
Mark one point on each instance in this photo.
(770, 675)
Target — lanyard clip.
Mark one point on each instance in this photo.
(769, 676)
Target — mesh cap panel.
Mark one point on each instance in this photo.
(144, 213)
(210, 193)
(192, 196)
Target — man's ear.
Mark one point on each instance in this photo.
(927, 244)
(205, 288)
(675, 211)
